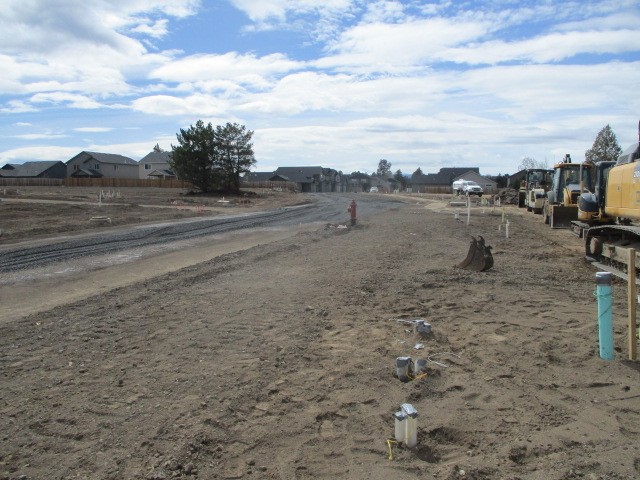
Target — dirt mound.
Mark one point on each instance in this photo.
(508, 196)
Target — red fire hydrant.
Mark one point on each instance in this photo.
(352, 211)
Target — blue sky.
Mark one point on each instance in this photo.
(338, 83)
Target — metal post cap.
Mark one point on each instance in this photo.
(603, 278)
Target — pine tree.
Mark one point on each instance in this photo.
(605, 147)
(235, 153)
(194, 159)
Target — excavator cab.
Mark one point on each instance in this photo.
(569, 181)
(536, 183)
(591, 204)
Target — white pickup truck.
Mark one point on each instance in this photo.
(466, 187)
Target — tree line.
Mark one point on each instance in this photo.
(605, 148)
(214, 159)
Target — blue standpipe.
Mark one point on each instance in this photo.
(605, 315)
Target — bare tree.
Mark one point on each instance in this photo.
(528, 162)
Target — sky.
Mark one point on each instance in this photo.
(338, 83)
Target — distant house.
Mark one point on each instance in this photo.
(515, 179)
(260, 177)
(44, 169)
(386, 185)
(437, 181)
(102, 165)
(333, 181)
(155, 165)
(441, 181)
(358, 182)
(313, 179)
(306, 179)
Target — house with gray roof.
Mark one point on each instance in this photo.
(102, 165)
(384, 184)
(307, 179)
(260, 177)
(43, 169)
(441, 182)
(155, 165)
(313, 179)
(488, 185)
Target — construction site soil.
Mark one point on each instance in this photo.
(276, 358)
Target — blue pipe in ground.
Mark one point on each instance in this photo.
(605, 315)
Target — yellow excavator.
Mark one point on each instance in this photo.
(591, 205)
(569, 181)
(610, 244)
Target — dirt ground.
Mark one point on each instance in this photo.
(278, 361)
(29, 213)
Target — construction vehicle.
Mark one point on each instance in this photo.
(569, 181)
(611, 244)
(533, 189)
(591, 205)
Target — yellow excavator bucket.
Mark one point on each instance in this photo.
(561, 216)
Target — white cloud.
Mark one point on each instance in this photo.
(28, 154)
(93, 129)
(82, 47)
(384, 11)
(17, 106)
(69, 99)
(40, 136)
(193, 105)
(525, 92)
(404, 47)
(244, 69)
(396, 48)
(627, 21)
(548, 48)
(319, 21)
(261, 10)
(157, 29)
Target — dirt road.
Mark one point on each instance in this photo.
(277, 361)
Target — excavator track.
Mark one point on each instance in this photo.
(609, 245)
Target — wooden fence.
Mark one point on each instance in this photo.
(31, 182)
(278, 186)
(93, 182)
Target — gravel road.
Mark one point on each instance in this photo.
(329, 208)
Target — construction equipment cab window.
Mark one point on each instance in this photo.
(572, 177)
